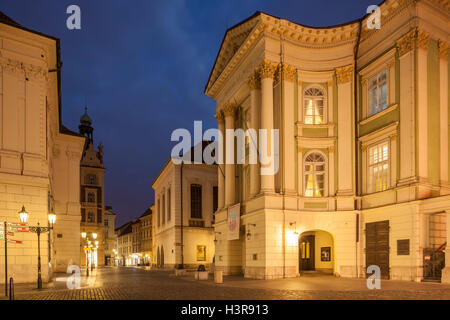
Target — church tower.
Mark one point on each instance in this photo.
(92, 173)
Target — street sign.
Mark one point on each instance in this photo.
(15, 241)
(19, 227)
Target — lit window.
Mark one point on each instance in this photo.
(91, 216)
(314, 175)
(378, 167)
(378, 93)
(314, 100)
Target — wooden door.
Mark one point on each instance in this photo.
(377, 246)
(306, 253)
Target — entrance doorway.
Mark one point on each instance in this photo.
(306, 253)
(377, 246)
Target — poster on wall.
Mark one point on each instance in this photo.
(233, 221)
(325, 254)
(201, 253)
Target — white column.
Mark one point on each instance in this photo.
(267, 72)
(443, 72)
(289, 129)
(407, 136)
(422, 103)
(330, 107)
(221, 159)
(393, 156)
(230, 165)
(331, 169)
(254, 83)
(344, 139)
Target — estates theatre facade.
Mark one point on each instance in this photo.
(363, 121)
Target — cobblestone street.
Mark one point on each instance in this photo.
(136, 283)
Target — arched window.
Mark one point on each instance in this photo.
(314, 106)
(91, 197)
(314, 175)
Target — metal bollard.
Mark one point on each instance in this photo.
(11, 288)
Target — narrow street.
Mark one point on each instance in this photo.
(130, 283)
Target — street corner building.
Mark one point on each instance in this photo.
(39, 157)
(363, 122)
(183, 216)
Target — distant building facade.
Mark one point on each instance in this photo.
(125, 244)
(146, 238)
(39, 157)
(183, 215)
(110, 236)
(92, 174)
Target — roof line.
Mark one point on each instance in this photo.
(257, 13)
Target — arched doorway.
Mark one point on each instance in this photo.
(162, 257)
(316, 252)
(158, 258)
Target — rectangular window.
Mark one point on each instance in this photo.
(196, 201)
(378, 171)
(163, 211)
(215, 199)
(378, 93)
(159, 213)
(169, 199)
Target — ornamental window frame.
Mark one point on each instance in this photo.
(386, 62)
(371, 176)
(324, 99)
(324, 173)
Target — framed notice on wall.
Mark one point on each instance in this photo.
(234, 215)
(325, 254)
(201, 253)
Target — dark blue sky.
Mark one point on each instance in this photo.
(143, 65)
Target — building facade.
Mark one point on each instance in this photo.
(183, 215)
(110, 236)
(363, 121)
(146, 239)
(92, 193)
(39, 157)
(125, 244)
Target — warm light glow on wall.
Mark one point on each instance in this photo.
(291, 238)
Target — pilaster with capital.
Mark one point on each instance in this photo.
(254, 83)
(229, 111)
(220, 166)
(267, 71)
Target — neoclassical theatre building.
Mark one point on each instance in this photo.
(363, 122)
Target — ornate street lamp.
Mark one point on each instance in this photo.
(89, 248)
(38, 230)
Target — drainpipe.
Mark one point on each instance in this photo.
(355, 97)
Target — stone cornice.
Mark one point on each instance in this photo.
(267, 69)
(254, 81)
(443, 49)
(30, 70)
(229, 109)
(344, 74)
